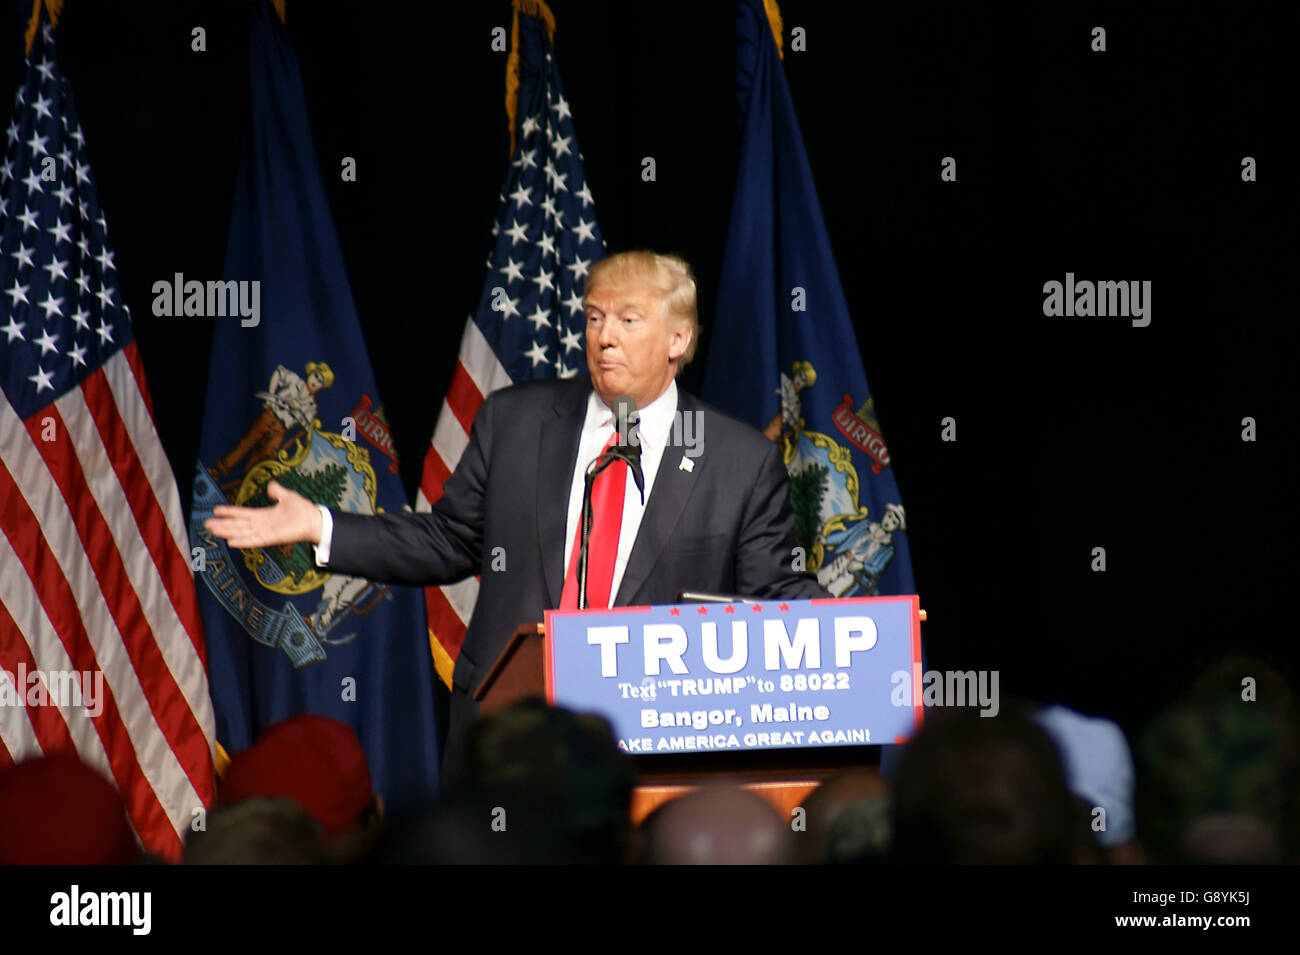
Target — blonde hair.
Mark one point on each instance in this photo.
(670, 274)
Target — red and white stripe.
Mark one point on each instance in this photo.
(97, 578)
(478, 373)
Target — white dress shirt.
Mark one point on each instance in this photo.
(655, 423)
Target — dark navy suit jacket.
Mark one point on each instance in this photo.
(723, 526)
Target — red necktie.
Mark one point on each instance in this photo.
(602, 547)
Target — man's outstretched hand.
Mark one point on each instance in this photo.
(293, 518)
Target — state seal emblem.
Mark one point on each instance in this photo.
(847, 547)
(287, 443)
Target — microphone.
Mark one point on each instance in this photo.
(626, 449)
(628, 446)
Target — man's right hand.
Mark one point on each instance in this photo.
(292, 519)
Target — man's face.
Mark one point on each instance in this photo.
(630, 348)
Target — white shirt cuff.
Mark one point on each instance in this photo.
(326, 536)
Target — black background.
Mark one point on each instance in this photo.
(1072, 433)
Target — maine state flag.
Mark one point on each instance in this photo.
(291, 398)
(784, 356)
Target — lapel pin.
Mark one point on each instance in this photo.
(687, 465)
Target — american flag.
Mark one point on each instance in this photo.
(529, 322)
(96, 575)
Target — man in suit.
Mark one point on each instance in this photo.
(716, 514)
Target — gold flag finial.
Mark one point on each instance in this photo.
(55, 7)
(774, 19)
(534, 8)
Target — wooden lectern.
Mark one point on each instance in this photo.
(783, 777)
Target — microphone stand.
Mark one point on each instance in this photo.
(629, 455)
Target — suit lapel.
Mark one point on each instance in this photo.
(557, 454)
(672, 489)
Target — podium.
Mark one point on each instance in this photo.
(784, 778)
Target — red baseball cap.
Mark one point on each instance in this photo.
(313, 760)
(56, 810)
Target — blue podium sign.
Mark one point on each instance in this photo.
(700, 677)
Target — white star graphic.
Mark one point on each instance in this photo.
(544, 280)
(547, 244)
(527, 158)
(105, 333)
(44, 69)
(585, 230)
(78, 355)
(574, 302)
(561, 145)
(513, 271)
(585, 194)
(41, 379)
(18, 292)
(23, 255)
(571, 341)
(42, 106)
(80, 316)
(105, 296)
(37, 142)
(14, 330)
(518, 233)
(47, 342)
(51, 306)
(105, 260)
(537, 353)
(561, 108)
(28, 219)
(60, 231)
(33, 182)
(64, 192)
(57, 269)
(579, 268)
(509, 306)
(529, 125)
(548, 206)
(522, 196)
(7, 170)
(541, 318)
